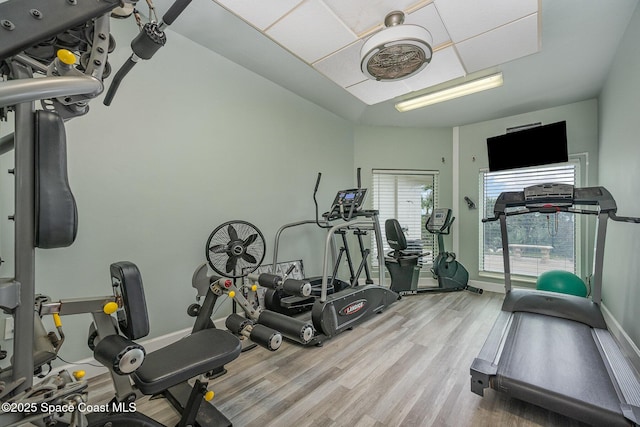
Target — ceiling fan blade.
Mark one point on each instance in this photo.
(249, 240)
(233, 234)
(249, 258)
(218, 249)
(231, 264)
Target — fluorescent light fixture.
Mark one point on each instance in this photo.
(457, 91)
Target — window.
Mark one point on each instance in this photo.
(537, 242)
(409, 196)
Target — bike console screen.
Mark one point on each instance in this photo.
(439, 220)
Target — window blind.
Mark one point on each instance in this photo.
(537, 242)
(408, 196)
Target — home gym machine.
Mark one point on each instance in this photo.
(234, 250)
(335, 307)
(46, 217)
(404, 266)
(552, 349)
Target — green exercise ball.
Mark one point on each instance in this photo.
(561, 281)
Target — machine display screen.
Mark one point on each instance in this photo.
(353, 196)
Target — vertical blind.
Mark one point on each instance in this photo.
(408, 196)
(537, 242)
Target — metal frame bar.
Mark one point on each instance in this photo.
(24, 235)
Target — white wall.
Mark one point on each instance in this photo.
(191, 140)
(619, 156)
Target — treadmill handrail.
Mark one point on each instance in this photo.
(599, 196)
(554, 209)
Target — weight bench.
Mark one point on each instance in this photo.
(164, 371)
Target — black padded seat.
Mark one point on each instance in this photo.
(187, 358)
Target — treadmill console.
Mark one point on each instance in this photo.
(549, 194)
(439, 220)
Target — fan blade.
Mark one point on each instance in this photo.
(218, 249)
(233, 234)
(231, 264)
(249, 240)
(249, 258)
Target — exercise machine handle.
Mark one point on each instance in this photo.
(315, 200)
(146, 44)
(174, 11)
(490, 219)
(631, 219)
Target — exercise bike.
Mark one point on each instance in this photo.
(404, 266)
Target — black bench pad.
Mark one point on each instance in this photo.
(189, 357)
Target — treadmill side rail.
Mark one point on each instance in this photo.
(482, 371)
(485, 366)
(623, 375)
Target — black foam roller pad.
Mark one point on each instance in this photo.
(291, 328)
(119, 354)
(301, 288)
(236, 323)
(266, 337)
(269, 280)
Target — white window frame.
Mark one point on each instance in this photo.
(429, 244)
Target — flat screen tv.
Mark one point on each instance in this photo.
(541, 145)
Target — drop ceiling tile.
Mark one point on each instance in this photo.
(501, 45)
(444, 66)
(428, 17)
(259, 13)
(311, 31)
(363, 15)
(371, 92)
(464, 18)
(343, 67)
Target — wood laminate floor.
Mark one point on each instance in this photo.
(408, 366)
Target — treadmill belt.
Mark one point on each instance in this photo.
(555, 363)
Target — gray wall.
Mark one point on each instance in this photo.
(619, 156)
(190, 141)
(582, 136)
(405, 148)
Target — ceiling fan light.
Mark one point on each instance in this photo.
(396, 53)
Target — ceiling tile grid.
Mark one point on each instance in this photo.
(311, 31)
(259, 13)
(501, 45)
(468, 36)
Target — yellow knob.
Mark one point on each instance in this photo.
(56, 320)
(209, 395)
(232, 294)
(254, 288)
(66, 57)
(110, 307)
(78, 375)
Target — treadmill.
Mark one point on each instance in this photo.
(551, 349)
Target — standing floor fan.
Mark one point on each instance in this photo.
(235, 249)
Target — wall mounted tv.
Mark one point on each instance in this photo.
(541, 145)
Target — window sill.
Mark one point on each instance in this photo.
(514, 277)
